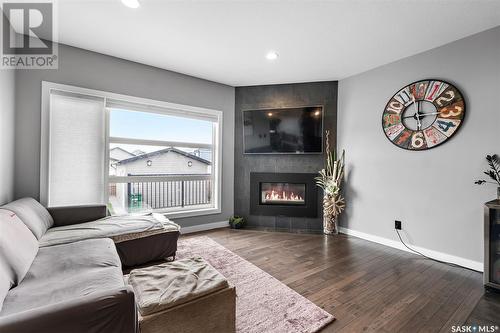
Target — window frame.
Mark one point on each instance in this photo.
(141, 105)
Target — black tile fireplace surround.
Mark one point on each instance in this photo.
(280, 96)
(283, 194)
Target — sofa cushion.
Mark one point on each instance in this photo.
(18, 248)
(119, 228)
(64, 272)
(33, 214)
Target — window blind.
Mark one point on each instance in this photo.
(76, 149)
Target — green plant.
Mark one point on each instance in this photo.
(236, 221)
(493, 172)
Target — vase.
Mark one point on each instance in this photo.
(330, 225)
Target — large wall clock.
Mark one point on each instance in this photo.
(423, 114)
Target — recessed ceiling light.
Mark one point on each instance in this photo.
(270, 114)
(131, 3)
(272, 55)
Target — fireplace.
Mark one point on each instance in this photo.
(282, 194)
(287, 194)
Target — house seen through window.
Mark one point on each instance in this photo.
(170, 176)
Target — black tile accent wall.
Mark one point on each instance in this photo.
(279, 96)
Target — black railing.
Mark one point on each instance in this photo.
(169, 194)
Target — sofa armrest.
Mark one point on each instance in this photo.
(111, 311)
(77, 214)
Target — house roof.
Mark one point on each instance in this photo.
(138, 152)
(123, 150)
(164, 151)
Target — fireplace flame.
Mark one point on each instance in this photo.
(283, 196)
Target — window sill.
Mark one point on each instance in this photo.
(189, 213)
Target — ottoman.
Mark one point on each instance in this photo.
(186, 295)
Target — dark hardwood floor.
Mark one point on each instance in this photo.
(487, 310)
(367, 286)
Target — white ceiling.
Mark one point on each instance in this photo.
(226, 41)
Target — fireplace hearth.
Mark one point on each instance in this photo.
(283, 194)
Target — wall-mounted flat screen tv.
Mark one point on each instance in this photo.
(283, 131)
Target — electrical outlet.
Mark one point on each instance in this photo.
(397, 225)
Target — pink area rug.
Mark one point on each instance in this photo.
(263, 304)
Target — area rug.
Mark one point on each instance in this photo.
(263, 304)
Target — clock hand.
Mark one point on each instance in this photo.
(422, 115)
(430, 114)
(419, 124)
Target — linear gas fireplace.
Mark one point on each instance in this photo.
(282, 194)
(288, 194)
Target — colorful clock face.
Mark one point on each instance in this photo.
(423, 114)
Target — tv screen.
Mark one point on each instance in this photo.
(285, 131)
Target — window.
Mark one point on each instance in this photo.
(133, 154)
(155, 162)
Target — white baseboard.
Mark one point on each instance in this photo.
(203, 227)
(475, 265)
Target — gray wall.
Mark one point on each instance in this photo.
(278, 96)
(7, 116)
(432, 191)
(97, 71)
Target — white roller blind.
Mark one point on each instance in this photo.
(76, 150)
